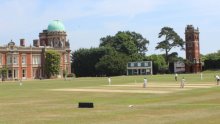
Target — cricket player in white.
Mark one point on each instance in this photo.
(145, 83)
(182, 83)
(109, 81)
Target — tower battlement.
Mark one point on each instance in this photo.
(190, 28)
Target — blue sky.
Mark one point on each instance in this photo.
(86, 21)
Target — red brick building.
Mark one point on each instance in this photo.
(193, 64)
(27, 62)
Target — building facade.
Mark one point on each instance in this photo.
(27, 62)
(193, 61)
(139, 68)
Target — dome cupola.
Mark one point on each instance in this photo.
(56, 25)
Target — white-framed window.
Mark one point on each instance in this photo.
(36, 59)
(9, 59)
(146, 64)
(15, 60)
(139, 64)
(16, 73)
(9, 73)
(132, 64)
(23, 73)
(190, 58)
(23, 59)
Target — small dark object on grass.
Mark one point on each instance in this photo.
(86, 105)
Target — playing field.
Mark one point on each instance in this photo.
(122, 102)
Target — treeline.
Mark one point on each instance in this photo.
(211, 61)
(112, 55)
(114, 52)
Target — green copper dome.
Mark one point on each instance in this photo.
(56, 25)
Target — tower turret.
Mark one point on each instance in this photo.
(193, 64)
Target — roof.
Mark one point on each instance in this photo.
(56, 25)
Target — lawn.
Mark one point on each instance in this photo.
(162, 102)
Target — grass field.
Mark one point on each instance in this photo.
(162, 102)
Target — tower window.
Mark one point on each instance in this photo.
(189, 44)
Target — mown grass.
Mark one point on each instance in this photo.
(35, 103)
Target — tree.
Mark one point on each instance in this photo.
(84, 60)
(212, 61)
(126, 42)
(172, 39)
(91, 62)
(112, 65)
(136, 57)
(52, 63)
(159, 63)
(3, 73)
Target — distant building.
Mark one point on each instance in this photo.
(179, 67)
(193, 61)
(139, 68)
(28, 62)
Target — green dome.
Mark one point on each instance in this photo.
(56, 25)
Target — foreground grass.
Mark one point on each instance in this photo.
(34, 103)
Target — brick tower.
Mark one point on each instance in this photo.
(193, 62)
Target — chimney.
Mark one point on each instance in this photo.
(22, 42)
(36, 43)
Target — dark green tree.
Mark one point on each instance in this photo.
(52, 63)
(159, 63)
(173, 57)
(212, 61)
(84, 60)
(172, 39)
(3, 73)
(136, 57)
(126, 42)
(112, 65)
(90, 62)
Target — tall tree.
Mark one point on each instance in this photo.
(159, 63)
(172, 39)
(173, 57)
(84, 60)
(91, 62)
(112, 65)
(52, 63)
(126, 42)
